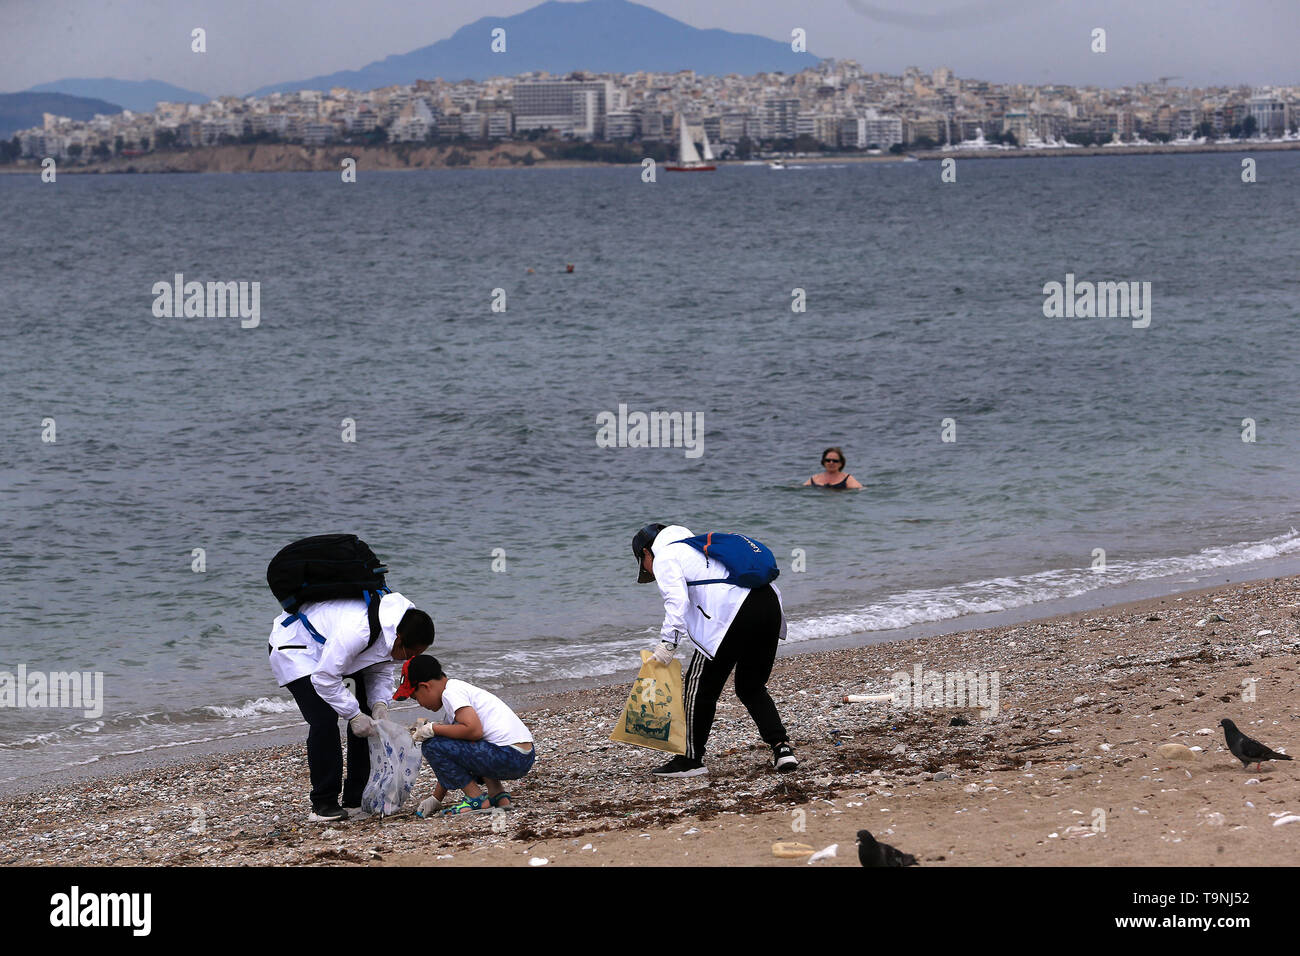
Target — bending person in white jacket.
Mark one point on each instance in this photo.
(314, 661)
(730, 626)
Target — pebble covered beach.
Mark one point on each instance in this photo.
(1068, 771)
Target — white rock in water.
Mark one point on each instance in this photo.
(538, 861)
(1175, 752)
(1289, 818)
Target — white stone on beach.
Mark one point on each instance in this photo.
(1289, 818)
(825, 854)
(538, 861)
(1215, 819)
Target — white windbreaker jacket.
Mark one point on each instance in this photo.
(345, 626)
(701, 612)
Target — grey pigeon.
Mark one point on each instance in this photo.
(1246, 750)
(871, 852)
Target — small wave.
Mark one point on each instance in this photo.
(1001, 594)
(251, 708)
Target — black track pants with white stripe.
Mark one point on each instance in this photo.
(750, 648)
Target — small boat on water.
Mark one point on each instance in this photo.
(776, 164)
(688, 160)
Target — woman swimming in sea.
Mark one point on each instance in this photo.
(833, 476)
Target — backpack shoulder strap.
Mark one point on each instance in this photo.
(372, 612)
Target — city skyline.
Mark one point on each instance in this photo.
(835, 104)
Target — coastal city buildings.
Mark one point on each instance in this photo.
(834, 105)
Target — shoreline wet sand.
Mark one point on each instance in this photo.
(1067, 771)
(523, 697)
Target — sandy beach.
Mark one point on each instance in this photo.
(1067, 772)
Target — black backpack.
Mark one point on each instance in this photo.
(324, 567)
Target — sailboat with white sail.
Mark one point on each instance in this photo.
(688, 159)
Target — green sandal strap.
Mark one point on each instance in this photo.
(468, 805)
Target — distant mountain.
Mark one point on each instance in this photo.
(603, 36)
(25, 110)
(140, 96)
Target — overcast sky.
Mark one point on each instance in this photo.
(252, 43)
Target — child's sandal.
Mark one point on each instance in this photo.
(468, 805)
(496, 801)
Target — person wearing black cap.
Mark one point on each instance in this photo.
(732, 627)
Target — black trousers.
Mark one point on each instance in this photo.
(750, 648)
(325, 752)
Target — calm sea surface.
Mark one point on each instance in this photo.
(475, 430)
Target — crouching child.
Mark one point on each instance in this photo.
(474, 742)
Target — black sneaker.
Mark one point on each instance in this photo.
(327, 813)
(681, 766)
(784, 759)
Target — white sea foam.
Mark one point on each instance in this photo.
(251, 708)
(1001, 594)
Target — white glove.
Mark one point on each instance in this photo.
(363, 726)
(423, 731)
(379, 711)
(665, 653)
(430, 806)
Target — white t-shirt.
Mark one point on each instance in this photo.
(500, 724)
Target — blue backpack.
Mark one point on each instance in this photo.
(748, 563)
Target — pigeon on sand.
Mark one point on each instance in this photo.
(1246, 750)
(871, 852)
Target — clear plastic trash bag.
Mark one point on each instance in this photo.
(394, 763)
